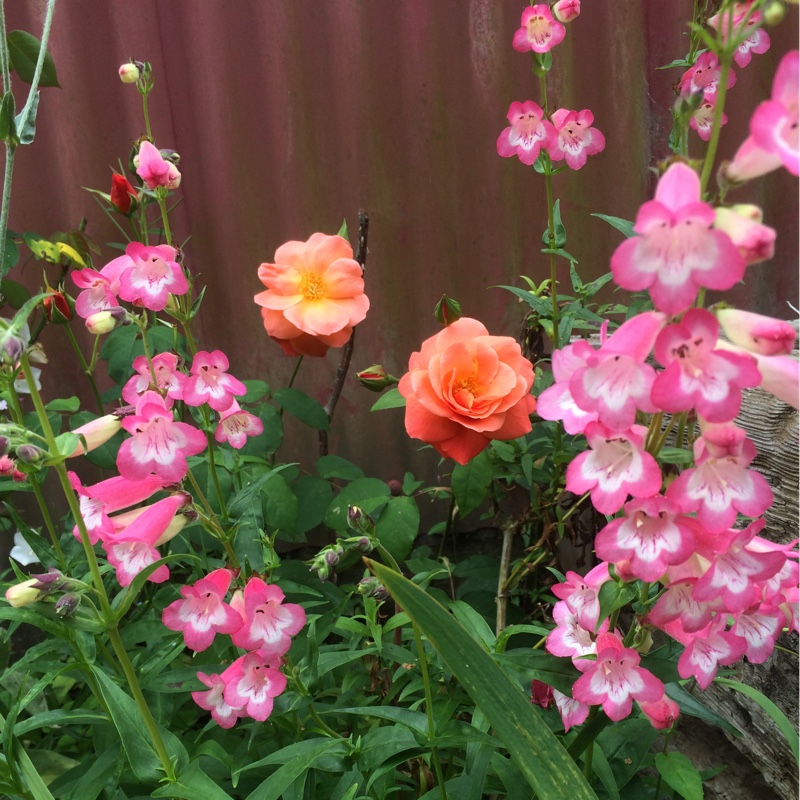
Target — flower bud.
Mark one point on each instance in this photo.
(371, 587)
(12, 343)
(129, 73)
(447, 311)
(66, 604)
(364, 545)
(105, 321)
(59, 307)
(122, 194)
(30, 454)
(22, 594)
(5, 443)
(541, 694)
(756, 333)
(375, 378)
(566, 10)
(96, 433)
(49, 581)
(332, 555)
(360, 522)
(754, 241)
(774, 12)
(321, 568)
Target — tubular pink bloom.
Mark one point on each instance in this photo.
(159, 444)
(750, 161)
(153, 276)
(574, 138)
(760, 628)
(733, 575)
(134, 549)
(465, 388)
(100, 288)
(678, 603)
(214, 701)
(616, 381)
(251, 682)
(617, 465)
(774, 124)
(556, 402)
(697, 375)
(154, 169)
(236, 424)
(616, 679)
(780, 375)
(652, 535)
(703, 77)
(676, 251)
(108, 496)
(573, 712)
(210, 382)
(539, 31)
(123, 520)
(755, 242)
(721, 485)
(527, 134)
(581, 594)
(757, 40)
(756, 333)
(96, 433)
(168, 378)
(202, 613)
(315, 295)
(703, 119)
(566, 10)
(662, 714)
(570, 638)
(706, 650)
(268, 622)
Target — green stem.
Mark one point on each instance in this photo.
(162, 204)
(588, 754)
(295, 371)
(213, 467)
(85, 367)
(716, 127)
(187, 332)
(4, 58)
(143, 328)
(145, 113)
(426, 682)
(212, 518)
(6, 202)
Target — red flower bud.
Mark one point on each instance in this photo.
(122, 193)
(447, 311)
(59, 308)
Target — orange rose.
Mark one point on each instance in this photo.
(465, 388)
(315, 295)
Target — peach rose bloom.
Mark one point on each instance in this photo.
(465, 388)
(315, 295)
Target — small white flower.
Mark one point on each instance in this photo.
(22, 552)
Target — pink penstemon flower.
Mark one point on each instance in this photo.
(575, 139)
(581, 594)
(202, 613)
(210, 382)
(570, 638)
(252, 682)
(527, 133)
(267, 622)
(743, 223)
(703, 77)
(159, 444)
(760, 627)
(703, 119)
(213, 700)
(676, 250)
(236, 425)
(168, 378)
(100, 289)
(615, 680)
(152, 276)
(154, 169)
(539, 31)
(662, 714)
(697, 375)
(757, 40)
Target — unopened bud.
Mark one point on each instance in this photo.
(774, 13)
(96, 433)
(447, 311)
(59, 308)
(359, 521)
(375, 378)
(566, 10)
(321, 568)
(541, 694)
(12, 342)
(5, 443)
(30, 454)
(332, 555)
(129, 73)
(66, 604)
(49, 581)
(364, 545)
(371, 587)
(22, 594)
(106, 321)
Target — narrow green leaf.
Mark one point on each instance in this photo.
(694, 708)
(680, 774)
(623, 225)
(415, 721)
(543, 307)
(777, 716)
(603, 771)
(471, 482)
(305, 408)
(389, 399)
(23, 48)
(191, 784)
(8, 125)
(47, 719)
(537, 753)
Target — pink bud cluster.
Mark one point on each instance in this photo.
(258, 621)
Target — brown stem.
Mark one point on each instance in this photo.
(347, 351)
(509, 529)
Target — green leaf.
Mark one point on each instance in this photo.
(368, 494)
(343, 231)
(94, 779)
(541, 306)
(8, 124)
(602, 769)
(398, 526)
(675, 455)
(537, 753)
(132, 731)
(777, 716)
(471, 482)
(389, 399)
(66, 404)
(694, 708)
(279, 503)
(16, 754)
(623, 225)
(336, 467)
(614, 595)
(626, 744)
(314, 496)
(678, 62)
(255, 391)
(415, 721)
(560, 238)
(48, 719)
(305, 408)
(280, 780)
(191, 784)
(680, 774)
(13, 293)
(24, 51)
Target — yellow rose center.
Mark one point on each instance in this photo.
(312, 286)
(466, 390)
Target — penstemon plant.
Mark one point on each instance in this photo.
(217, 623)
